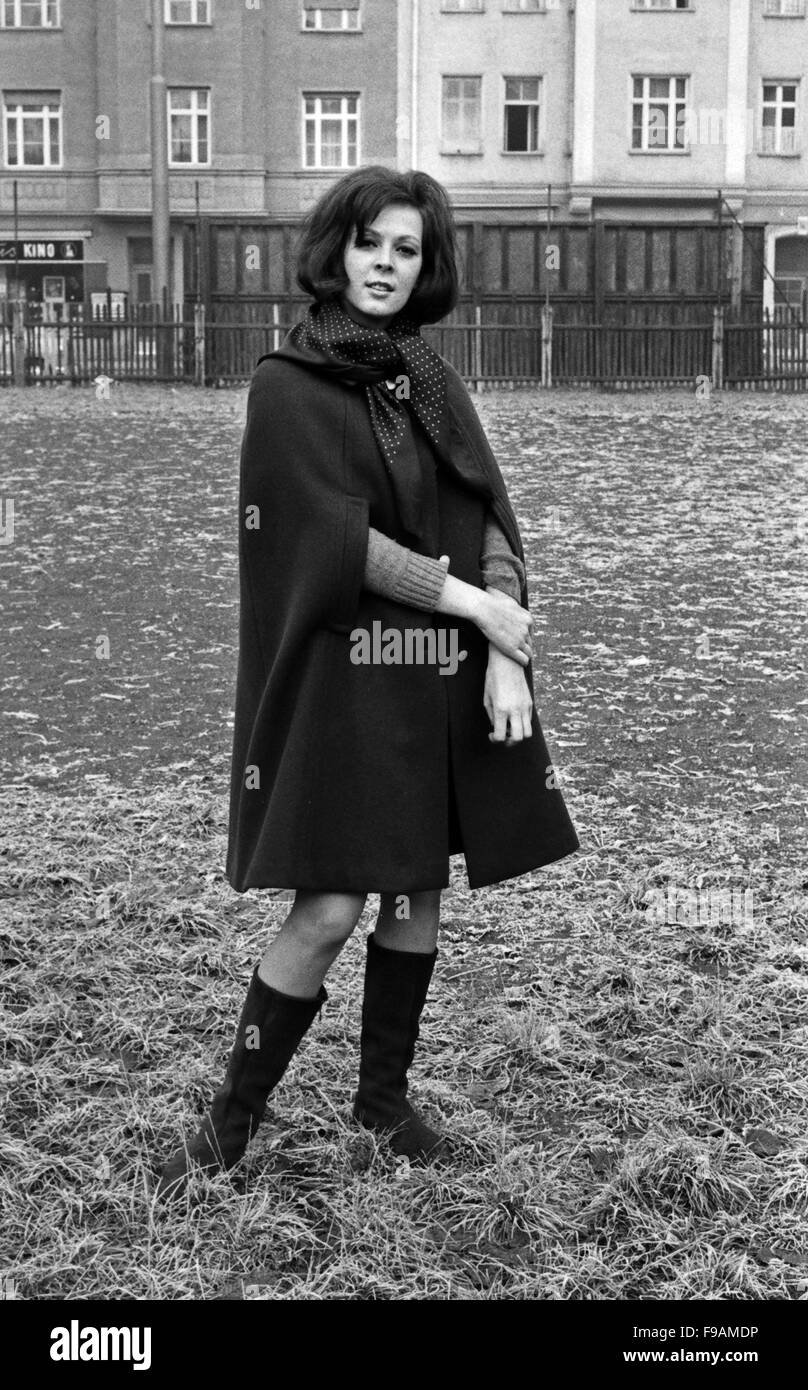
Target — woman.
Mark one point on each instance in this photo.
(384, 711)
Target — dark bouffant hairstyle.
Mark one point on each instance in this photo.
(356, 201)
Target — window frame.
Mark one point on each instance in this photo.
(19, 118)
(194, 23)
(647, 101)
(190, 111)
(672, 7)
(538, 78)
(43, 28)
(473, 144)
(345, 118)
(779, 106)
(459, 7)
(769, 13)
(320, 28)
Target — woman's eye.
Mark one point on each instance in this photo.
(368, 241)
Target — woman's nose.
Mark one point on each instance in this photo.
(383, 259)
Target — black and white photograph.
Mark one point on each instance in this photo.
(404, 591)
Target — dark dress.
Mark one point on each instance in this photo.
(371, 774)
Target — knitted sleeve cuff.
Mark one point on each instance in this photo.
(500, 568)
(423, 581)
(402, 575)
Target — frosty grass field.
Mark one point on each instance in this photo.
(619, 1042)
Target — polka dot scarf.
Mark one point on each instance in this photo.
(374, 357)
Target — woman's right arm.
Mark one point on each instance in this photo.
(500, 618)
(422, 582)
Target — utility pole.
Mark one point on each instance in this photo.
(547, 311)
(16, 293)
(719, 260)
(199, 307)
(549, 233)
(17, 303)
(161, 236)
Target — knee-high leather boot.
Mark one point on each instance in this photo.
(396, 985)
(268, 1034)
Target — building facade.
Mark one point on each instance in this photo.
(615, 121)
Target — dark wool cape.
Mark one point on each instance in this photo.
(365, 778)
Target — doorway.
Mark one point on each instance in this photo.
(791, 272)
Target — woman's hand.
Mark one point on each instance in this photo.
(498, 616)
(507, 625)
(507, 699)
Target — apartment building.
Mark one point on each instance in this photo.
(623, 118)
(633, 113)
(677, 98)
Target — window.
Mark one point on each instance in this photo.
(459, 6)
(330, 130)
(659, 111)
(778, 133)
(662, 4)
(140, 269)
(33, 130)
(187, 12)
(462, 113)
(335, 17)
(30, 14)
(521, 115)
(514, 6)
(784, 9)
(189, 125)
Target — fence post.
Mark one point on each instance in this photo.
(718, 350)
(547, 345)
(18, 340)
(163, 335)
(199, 345)
(478, 348)
(737, 268)
(71, 361)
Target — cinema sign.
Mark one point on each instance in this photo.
(41, 250)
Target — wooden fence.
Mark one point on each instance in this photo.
(180, 345)
(149, 344)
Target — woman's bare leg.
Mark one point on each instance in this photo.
(419, 932)
(309, 941)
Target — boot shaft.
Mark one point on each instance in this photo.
(269, 1032)
(396, 987)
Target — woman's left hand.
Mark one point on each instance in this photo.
(507, 698)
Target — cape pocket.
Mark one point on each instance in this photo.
(348, 583)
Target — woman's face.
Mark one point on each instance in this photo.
(383, 267)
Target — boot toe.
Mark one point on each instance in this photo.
(416, 1140)
(407, 1135)
(197, 1156)
(173, 1179)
